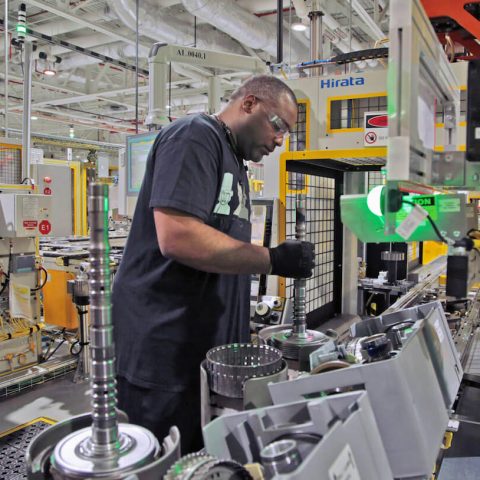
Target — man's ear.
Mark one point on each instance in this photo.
(248, 103)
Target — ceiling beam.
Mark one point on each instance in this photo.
(78, 19)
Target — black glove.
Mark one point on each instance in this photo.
(293, 259)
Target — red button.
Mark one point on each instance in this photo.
(47, 191)
(47, 180)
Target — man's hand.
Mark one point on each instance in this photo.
(293, 259)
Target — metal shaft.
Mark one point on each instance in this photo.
(6, 49)
(316, 39)
(104, 439)
(27, 108)
(299, 284)
(84, 339)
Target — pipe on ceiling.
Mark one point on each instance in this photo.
(375, 30)
(162, 27)
(228, 16)
(115, 50)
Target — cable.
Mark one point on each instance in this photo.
(44, 282)
(434, 226)
(302, 436)
(7, 275)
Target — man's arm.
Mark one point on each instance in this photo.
(188, 240)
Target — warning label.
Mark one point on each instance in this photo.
(30, 224)
(45, 227)
(376, 129)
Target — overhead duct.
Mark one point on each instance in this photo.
(160, 26)
(228, 16)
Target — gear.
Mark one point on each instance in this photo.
(186, 465)
(215, 469)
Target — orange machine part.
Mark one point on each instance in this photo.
(58, 308)
(455, 9)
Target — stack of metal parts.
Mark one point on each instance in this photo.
(235, 377)
(324, 438)
(296, 342)
(107, 448)
(392, 258)
(229, 366)
(411, 388)
(203, 466)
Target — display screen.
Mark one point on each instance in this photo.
(138, 148)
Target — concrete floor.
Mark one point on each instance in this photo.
(56, 399)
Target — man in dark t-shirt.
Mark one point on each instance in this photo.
(183, 285)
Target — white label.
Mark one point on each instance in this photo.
(413, 220)
(20, 304)
(36, 156)
(30, 208)
(449, 205)
(69, 154)
(426, 123)
(344, 466)
(477, 133)
(438, 329)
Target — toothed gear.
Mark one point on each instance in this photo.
(220, 470)
(185, 466)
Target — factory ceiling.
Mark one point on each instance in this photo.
(98, 99)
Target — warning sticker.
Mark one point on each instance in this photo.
(45, 227)
(30, 224)
(446, 205)
(376, 129)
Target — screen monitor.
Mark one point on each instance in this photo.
(138, 147)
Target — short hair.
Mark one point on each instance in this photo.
(265, 87)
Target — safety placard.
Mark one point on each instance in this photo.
(375, 129)
(45, 227)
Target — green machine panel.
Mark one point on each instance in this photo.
(450, 212)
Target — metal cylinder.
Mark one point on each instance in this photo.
(27, 109)
(104, 416)
(316, 39)
(300, 284)
(280, 457)
(6, 49)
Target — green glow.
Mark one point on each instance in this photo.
(374, 200)
(21, 28)
(368, 225)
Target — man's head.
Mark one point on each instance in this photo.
(260, 113)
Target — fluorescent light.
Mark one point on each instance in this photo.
(49, 72)
(299, 27)
(33, 117)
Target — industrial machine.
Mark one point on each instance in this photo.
(24, 216)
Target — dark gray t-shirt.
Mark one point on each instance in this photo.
(167, 315)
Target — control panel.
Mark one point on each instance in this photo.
(24, 215)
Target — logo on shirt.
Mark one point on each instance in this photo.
(242, 210)
(225, 196)
(226, 193)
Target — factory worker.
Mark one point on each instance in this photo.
(183, 285)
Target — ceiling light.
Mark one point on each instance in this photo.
(49, 72)
(299, 27)
(33, 117)
(71, 132)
